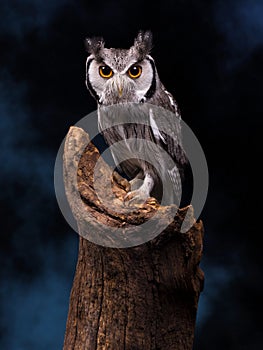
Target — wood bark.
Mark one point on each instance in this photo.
(138, 298)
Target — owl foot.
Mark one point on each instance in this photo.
(121, 181)
(135, 184)
(138, 196)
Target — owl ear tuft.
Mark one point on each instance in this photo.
(94, 45)
(143, 43)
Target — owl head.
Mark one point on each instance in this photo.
(121, 75)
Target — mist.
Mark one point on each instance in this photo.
(209, 55)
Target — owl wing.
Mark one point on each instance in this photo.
(166, 130)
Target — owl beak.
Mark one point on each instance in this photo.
(120, 90)
(119, 83)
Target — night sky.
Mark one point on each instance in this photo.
(209, 55)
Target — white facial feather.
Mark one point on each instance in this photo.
(133, 90)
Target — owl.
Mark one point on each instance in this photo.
(126, 82)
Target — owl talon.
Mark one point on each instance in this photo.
(121, 181)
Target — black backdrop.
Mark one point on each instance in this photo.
(209, 55)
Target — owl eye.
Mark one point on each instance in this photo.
(135, 71)
(105, 72)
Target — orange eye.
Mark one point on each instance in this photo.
(105, 72)
(135, 71)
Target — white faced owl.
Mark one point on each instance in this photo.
(126, 80)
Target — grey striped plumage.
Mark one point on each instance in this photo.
(143, 110)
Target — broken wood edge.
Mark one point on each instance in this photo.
(111, 223)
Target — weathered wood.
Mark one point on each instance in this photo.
(136, 298)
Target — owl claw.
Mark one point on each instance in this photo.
(121, 181)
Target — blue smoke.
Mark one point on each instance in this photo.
(34, 315)
(217, 279)
(240, 24)
(36, 272)
(21, 16)
(34, 312)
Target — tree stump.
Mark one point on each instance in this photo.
(143, 297)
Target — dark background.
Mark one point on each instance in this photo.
(209, 55)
